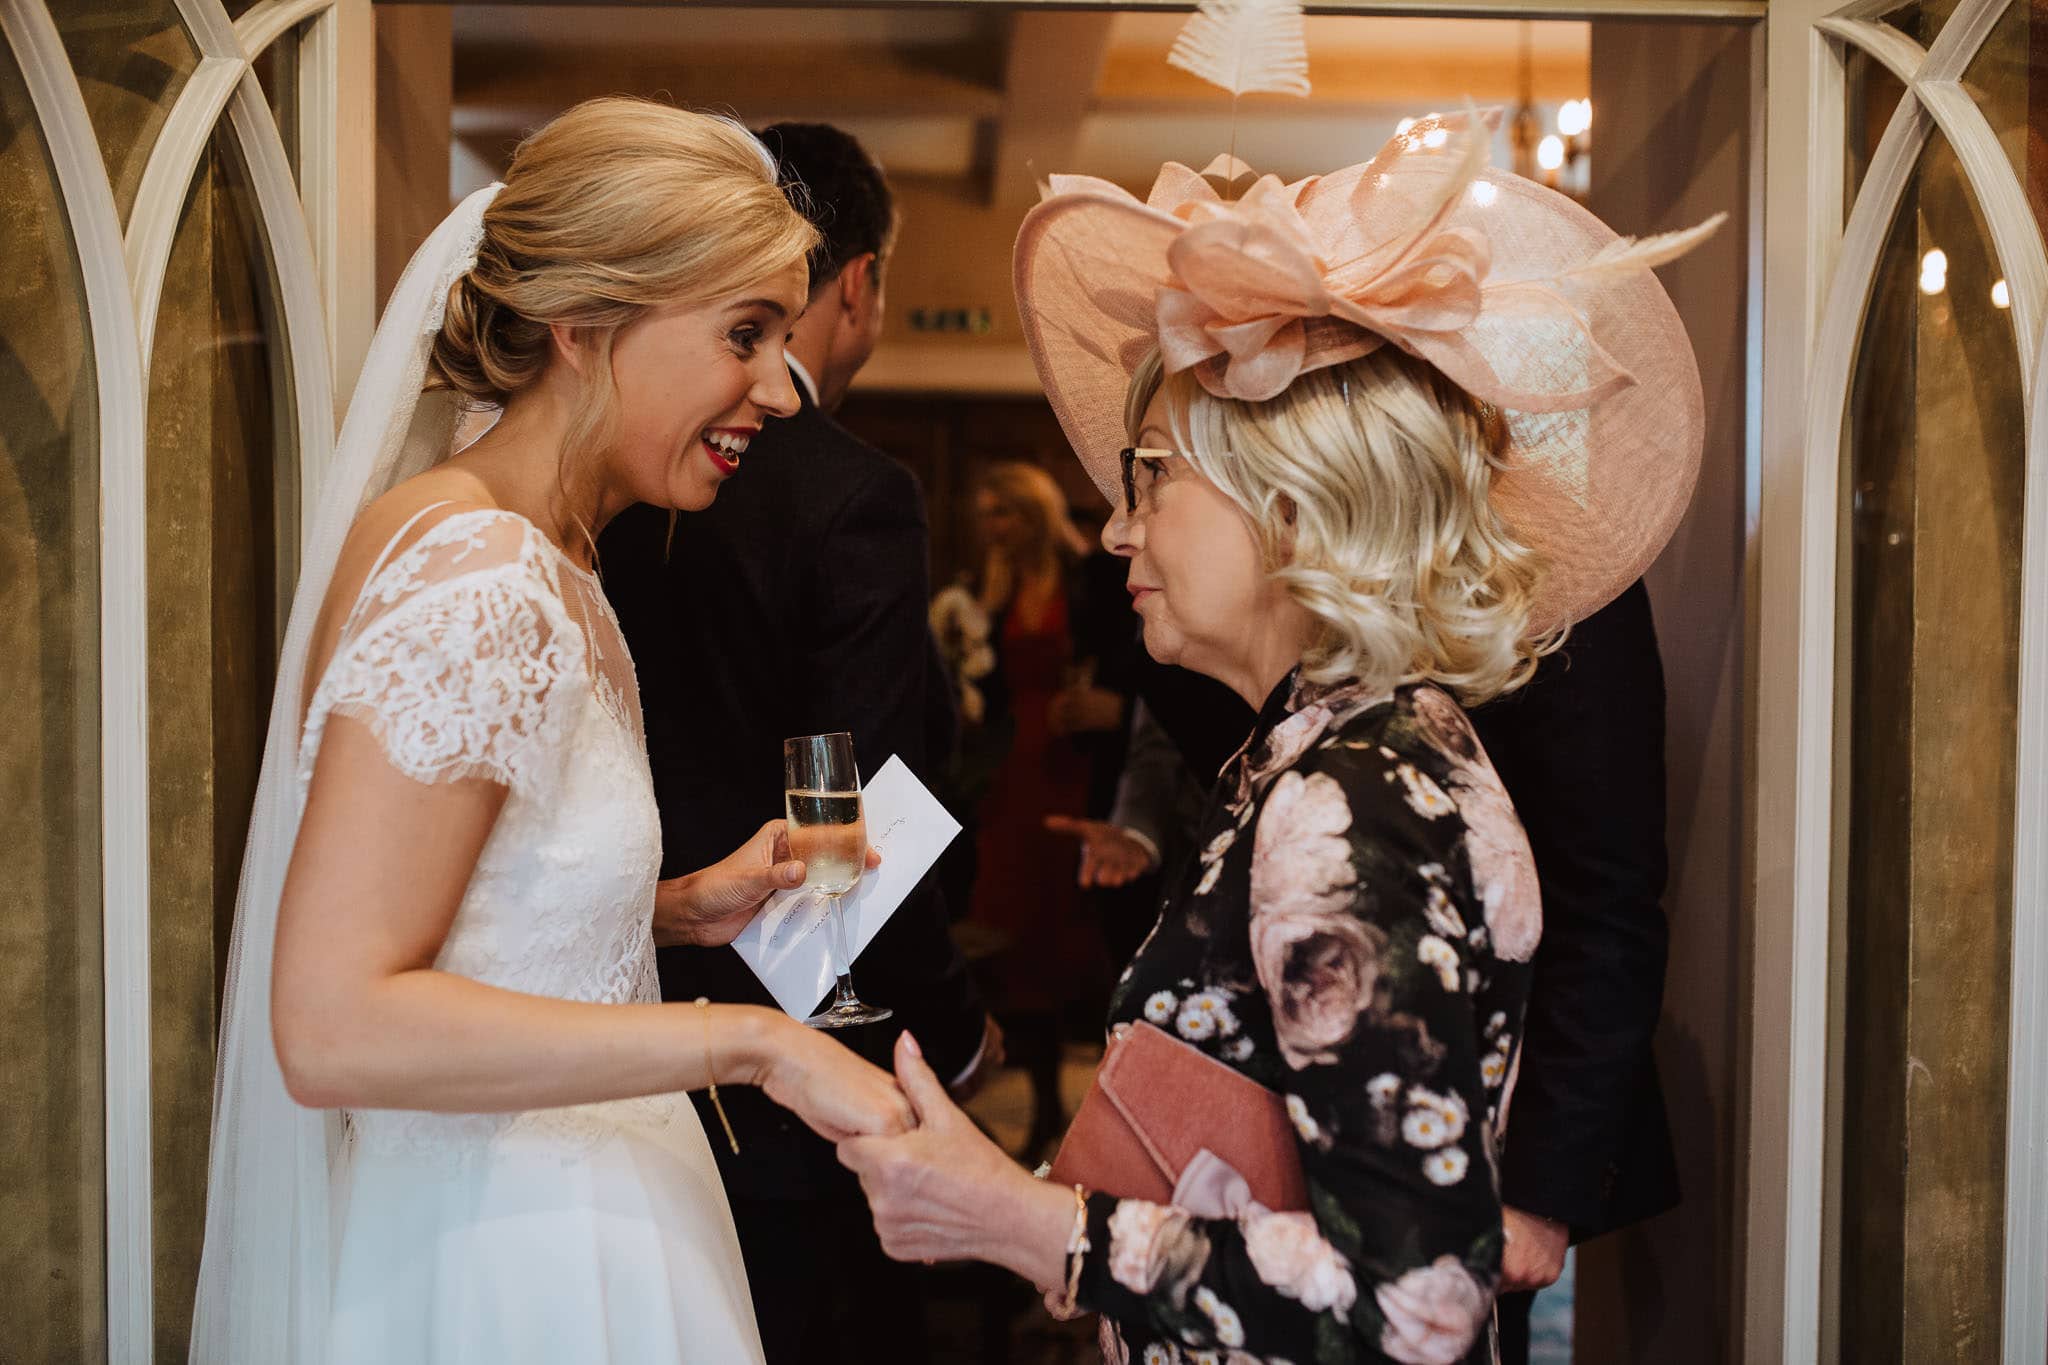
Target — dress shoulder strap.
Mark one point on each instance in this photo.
(384, 555)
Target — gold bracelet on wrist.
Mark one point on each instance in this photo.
(1065, 1307)
(703, 1004)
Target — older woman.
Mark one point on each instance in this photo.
(1349, 534)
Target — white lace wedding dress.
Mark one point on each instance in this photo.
(587, 1234)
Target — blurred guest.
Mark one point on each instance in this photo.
(1058, 623)
(796, 605)
(968, 655)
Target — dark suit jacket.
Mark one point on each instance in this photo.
(1581, 751)
(794, 605)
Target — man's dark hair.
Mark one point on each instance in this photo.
(832, 181)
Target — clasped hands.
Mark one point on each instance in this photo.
(934, 1179)
(943, 1191)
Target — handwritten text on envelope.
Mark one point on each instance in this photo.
(789, 944)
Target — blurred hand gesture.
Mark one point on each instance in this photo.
(1111, 855)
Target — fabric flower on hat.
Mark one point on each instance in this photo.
(1246, 275)
(1250, 276)
(1266, 286)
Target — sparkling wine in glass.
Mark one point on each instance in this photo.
(827, 829)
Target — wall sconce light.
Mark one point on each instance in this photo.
(1561, 151)
(1548, 156)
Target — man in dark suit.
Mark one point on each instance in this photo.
(1581, 751)
(796, 605)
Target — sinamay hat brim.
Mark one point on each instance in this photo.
(1597, 489)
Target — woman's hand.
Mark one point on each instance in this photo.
(709, 907)
(943, 1191)
(832, 1088)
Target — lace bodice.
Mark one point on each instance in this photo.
(479, 650)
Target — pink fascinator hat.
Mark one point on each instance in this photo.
(1517, 294)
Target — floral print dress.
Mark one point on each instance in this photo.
(1356, 936)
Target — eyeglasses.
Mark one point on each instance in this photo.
(1128, 457)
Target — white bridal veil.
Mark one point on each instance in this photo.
(265, 1273)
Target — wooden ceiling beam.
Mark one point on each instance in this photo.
(519, 86)
(1134, 80)
(1050, 75)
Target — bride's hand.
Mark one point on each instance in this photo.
(945, 1192)
(709, 907)
(832, 1088)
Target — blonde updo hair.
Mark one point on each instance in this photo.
(615, 207)
(1368, 488)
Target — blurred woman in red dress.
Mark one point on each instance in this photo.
(1044, 625)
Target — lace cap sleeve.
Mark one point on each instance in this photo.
(456, 658)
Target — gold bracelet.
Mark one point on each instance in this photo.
(1065, 1308)
(704, 1004)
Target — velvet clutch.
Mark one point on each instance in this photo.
(1168, 1123)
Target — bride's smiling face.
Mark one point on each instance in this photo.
(695, 383)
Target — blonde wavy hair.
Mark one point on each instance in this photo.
(1033, 494)
(1368, 488)
(616, 207)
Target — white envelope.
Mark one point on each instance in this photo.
(789, 944)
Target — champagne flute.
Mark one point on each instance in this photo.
(829, 831)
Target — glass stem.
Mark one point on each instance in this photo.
(842, 959)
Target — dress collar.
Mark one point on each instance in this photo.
(1278, 706)
(1282, 702)
(1318, 706)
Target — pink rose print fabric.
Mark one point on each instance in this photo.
(1355, 934)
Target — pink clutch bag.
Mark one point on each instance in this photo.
(1157, 1106)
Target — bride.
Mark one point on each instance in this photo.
(446, 1124)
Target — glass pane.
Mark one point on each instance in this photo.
(221, 451)
(132, 58)
(1921, 20)
(52, 1124)
(2009, 80)
(1935, 458)
(277, 71)
(1871, 93)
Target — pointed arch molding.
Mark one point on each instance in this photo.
(119, 377)
(1933, 77)
(123, 282)
(270, 20)
(1936, 103)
